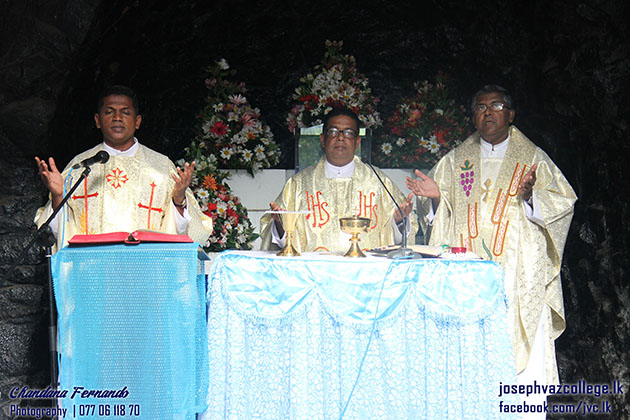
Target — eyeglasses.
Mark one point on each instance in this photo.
(347, 133)
(494, 106)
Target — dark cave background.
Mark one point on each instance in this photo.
(567, 64)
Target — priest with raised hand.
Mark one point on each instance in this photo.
(137, 188)
(500, 196)
(339, 185)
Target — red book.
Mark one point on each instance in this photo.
(132, 238)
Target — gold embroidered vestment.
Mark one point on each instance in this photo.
(124, 194)
(329, 199)
(529, 253)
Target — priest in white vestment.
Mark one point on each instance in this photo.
(137, 188)
(500, 196)
(339, 185)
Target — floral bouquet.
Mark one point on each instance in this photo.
(333, 83)
(422, 129)
(232, 228)
(230, 136)
(230, 132)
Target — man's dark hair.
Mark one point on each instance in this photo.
(507, 98)
(118, 90)
(340, 111)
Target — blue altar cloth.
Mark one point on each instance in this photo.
(134, 318)
(286, 338)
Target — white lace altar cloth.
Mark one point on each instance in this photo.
(286, 337)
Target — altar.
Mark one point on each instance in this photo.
(327, 337)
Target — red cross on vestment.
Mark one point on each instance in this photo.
(85, 197)
(150, 207)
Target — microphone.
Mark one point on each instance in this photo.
(100, 157)
(403, 252)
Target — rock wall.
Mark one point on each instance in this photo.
(38, 42)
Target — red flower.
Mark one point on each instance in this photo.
(219, 128)
(439, 135)
(232, 213)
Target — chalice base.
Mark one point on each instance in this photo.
(354, 251)
(288, 251)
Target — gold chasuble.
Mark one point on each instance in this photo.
(329, 199)
(125, 194)
(487, 216)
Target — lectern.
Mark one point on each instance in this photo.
(131, 325)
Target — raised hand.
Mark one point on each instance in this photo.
(424, 186)
(406, 208)
(526, 186)
(51, 177)
(182, 181)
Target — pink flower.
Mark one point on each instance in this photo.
(249, 119)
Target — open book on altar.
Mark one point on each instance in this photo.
(130, 238)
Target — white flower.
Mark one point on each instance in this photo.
(439, 111)
(237, 99)
(206, 126)
(400, 141)
(203, 194)
(265, 141)
(386, 148)
(423, 142)
(433, 147)
(240, 228)
(247, 155)
(218, 107)
(226, 153)
(232, 116)
(221, 208)
(259, 149)
(223, 64)
(241, 239)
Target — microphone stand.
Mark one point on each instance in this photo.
(52, 327)
(403, 251)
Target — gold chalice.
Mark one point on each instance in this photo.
(289, 221)
(354, 226)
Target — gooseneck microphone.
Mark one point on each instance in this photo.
(403, 251)
(100, 157)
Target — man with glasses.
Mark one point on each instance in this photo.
(500, 196)
(339, 185)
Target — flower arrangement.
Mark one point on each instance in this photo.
(230, 130)
(333, 83)
(230, 136)
(422, 129)
(232, 228)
